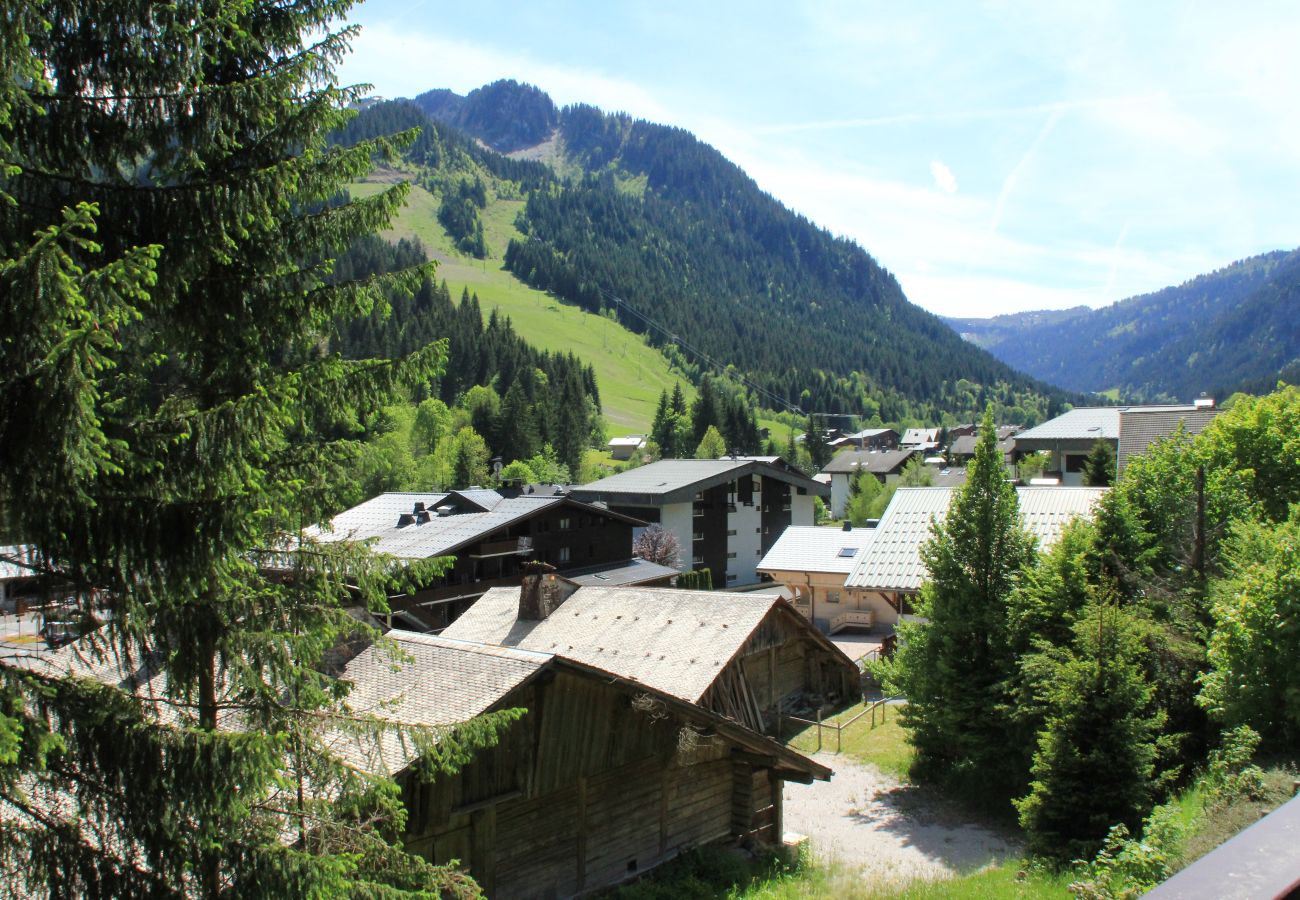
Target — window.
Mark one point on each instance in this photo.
(698, 511)
(832, 596)
(730, 577)
(1074, 463)
(562, 555)
(731, 555)
(847, 552)
(731, 532)
(566, 523)
(697, 560)
(697, 536)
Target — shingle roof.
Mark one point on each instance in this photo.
(878, 462)
(892, 559)
(1140, 427)
(677, 480)
(811, 549)
(478, 514)
(675, 641)
(964, 445)
(440, 682)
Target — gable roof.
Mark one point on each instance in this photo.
(809, 548)
(675, 641)
(678, 480)
(918, 436)
(444, 681)
(1081, 423)
(892, 559)
(877, 462)
(1140, 427)
(472, 515)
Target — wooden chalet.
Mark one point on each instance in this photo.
(745, 656)
(492, 534)
(603, 777)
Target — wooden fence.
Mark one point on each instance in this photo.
(871, 710)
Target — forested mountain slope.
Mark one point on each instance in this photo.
(663, 222)
(1233, 329)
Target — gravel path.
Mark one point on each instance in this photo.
(866, 821)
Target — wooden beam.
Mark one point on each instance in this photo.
(466, 808)
(759, 760)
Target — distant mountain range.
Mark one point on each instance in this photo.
(1234, 329)
(655, 228)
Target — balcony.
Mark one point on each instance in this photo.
(853, 618)
(520, 545)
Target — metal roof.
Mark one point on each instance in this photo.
(678, 480)
(634, 571)
(916, 436)
(1140, 427)
(473, 515)
(1087, 423)
(808, 548)
(892, 560)
(675, 641)
(875, 461)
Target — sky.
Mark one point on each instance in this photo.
(995, 157)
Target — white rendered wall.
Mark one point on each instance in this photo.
(676, 518)
(839, 493)
(801, 508)
(746, 543)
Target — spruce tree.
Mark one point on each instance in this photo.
(1099, 466)
(704, 411)
(170, 419)
(954, 665)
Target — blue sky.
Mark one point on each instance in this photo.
(994, 156)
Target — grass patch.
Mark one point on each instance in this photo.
(630, 373)
(1213, 823)
(884, 746)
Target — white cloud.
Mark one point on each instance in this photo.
(943, 177)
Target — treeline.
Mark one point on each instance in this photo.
(808, 316)
(1087, 683)
(521, 402)
(718, 422)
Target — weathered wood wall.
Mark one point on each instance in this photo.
(591, 787)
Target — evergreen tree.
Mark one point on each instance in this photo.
(168, 418)
(863, 491)
(469, 464)
(704, 412)
(819, 452)
(1099, 466)
(954, 666)
(1095, 760)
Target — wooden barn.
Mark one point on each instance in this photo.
(745, 656)
(601, 779)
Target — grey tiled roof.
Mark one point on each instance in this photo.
(677, 480)
(892, 559)
(440, 682)
(1140, 427)
(878, 462)
(675, 641)
(811, 549)
(377, 519)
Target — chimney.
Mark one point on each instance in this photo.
(405, 519)
(542, 591)
(419, 506)
(848, 526)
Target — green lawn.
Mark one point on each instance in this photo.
(630, 373)
(885, 746)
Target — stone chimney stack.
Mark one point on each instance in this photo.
(542, 591)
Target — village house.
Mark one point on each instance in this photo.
(622, 448)
(886, 570)
(868, 439)
(725, 513)
(746, 656)
(884, 465)
(1070, 437)
(812, 564)
(602, 779)
(962, 448)
(492, 534)
(923, 439)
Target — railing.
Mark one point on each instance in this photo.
(853, 617)
(503, 548)
(871, 710)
